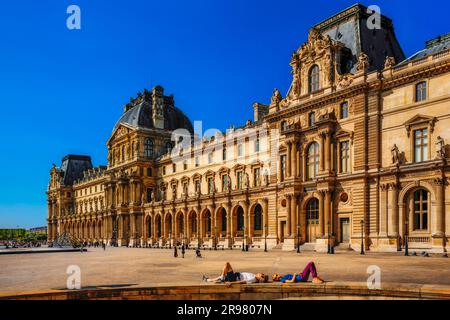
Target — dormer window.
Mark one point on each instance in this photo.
(344, 110)
(314, 79)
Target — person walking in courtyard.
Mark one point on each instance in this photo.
(229, 277)
(299, 277)
(198, 253)
(175, 252)
(183, 251)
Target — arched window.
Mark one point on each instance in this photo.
(149, 228)
(314, 78)
(312, 161)
(240, 219)
(258, 218)
(420, 207)
(148, 148)
(208, 222)
(421, 91)
(224, 219)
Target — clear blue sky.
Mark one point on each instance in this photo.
(62, 91)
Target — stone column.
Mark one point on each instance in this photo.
(327, 151)
(327, 212)
(294, 159)
(186, 233)
(289, 159)
(393, 213)
(321, 214)
(322, 150)
(229, 220)
(383, 211)
(293, 214)
(246, 217)
(438, 218)
(288, 215)
(265, 208)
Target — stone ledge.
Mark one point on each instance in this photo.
(271, 291)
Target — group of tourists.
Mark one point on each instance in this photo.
(230, 277)
(21, 244)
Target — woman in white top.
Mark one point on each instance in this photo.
(230, 277)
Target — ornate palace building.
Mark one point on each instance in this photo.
(356, 151)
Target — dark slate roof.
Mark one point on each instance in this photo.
(432, 47)
(350, 28)
(73, 166)
(139, 115)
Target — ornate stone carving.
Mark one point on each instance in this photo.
(363, 63)
(276, 97)
(440, 147)
(395, 155)
(345, 80)
(389, 62)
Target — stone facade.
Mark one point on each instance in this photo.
(353, 151)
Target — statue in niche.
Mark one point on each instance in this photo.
(440, 147)
(228, 183)
(395, 155)
(247, 180)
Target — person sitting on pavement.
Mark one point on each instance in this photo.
(300, 277)
(229, 277)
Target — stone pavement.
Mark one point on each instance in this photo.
(126, 267)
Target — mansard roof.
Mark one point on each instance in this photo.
(139, 113)
(433, 46)
(350, 27)
(73, 168)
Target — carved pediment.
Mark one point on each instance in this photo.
(342, 133)
(420, 120)
(196, 176)
(118, 133)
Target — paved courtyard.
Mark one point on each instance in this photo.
(125, 267)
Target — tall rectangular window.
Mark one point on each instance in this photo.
(344, 157)
(257, 145)
(283, 167)
(421, 91)
(420, 145)
(240, 150)
(344, 110)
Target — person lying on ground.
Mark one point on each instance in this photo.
(300, 277)
(229, 277)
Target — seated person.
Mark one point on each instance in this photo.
(230, 277)
(299, 277)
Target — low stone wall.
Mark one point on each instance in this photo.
(243, 292)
